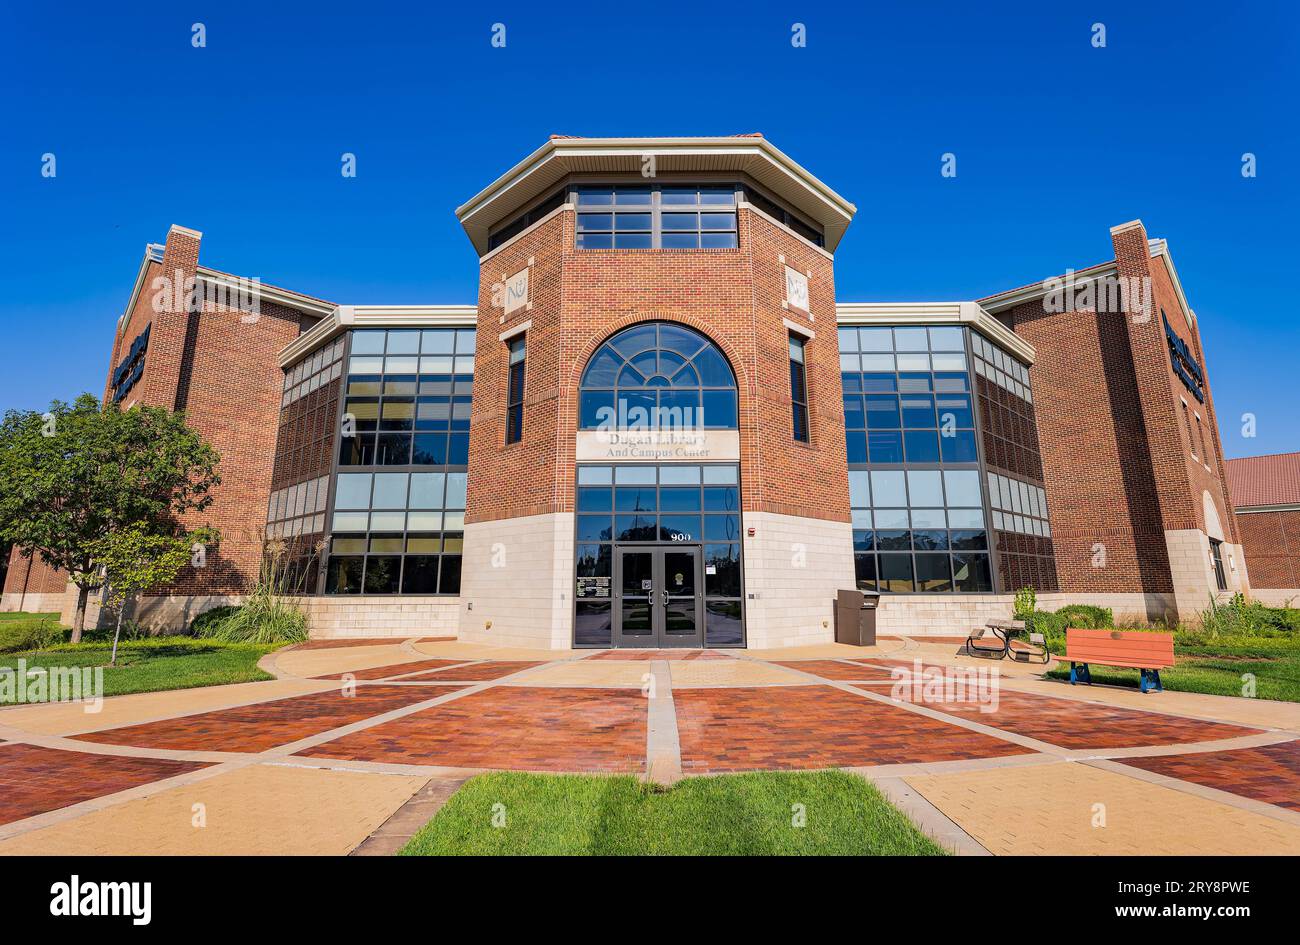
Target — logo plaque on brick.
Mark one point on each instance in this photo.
(517, 291)
(796, 289)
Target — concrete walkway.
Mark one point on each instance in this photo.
(356, 744)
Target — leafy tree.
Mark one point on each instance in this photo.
(74, 477)
(134, 560)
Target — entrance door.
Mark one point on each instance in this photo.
(658, 597)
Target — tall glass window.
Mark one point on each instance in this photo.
(798, 388)
(515, 391)
(914, 480)
(397, 532)
(657, 375)
(398, 517)
(408, 398)
(907, 396)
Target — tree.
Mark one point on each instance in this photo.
(77, 475)
(134, 560)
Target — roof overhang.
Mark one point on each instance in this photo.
(253, 288)
(753, 156)
(971, 314)
(153, 253)
(1071, 279)
(344, 317)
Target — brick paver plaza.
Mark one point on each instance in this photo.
(321, 760)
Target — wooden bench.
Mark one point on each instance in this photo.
(1147, 652)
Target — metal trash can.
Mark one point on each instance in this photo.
(855, 617)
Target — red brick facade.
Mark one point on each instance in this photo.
(1117, 461)
(580, 297)
(33, 576)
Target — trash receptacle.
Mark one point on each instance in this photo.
(855, 617)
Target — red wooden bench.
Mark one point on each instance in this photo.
(1147, 652)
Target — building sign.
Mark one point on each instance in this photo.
(517, 291)
(1185, 365)
(796, 289)
(659, 446)
(593, 587)
(131, 367)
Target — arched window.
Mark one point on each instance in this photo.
(657, 375)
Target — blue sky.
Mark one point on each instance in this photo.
(1055, 140)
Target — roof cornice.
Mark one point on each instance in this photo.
(936, 313)
(266, 293)
(559, 157)
(1035, 291)
(344, 317)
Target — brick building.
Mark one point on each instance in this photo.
(658, 426)
(1265, 493)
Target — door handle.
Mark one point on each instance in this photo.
(665, 598)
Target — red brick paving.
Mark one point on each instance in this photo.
(34, 780)
(264, 725)
(477, 672)
(831, 669)
(1069, 723)
(660, 655)
(1270, 773)
(393, 669)
(534, 729)
(814, 727)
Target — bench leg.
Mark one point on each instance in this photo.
(1074, 673)
(1086, 674)
(1151, 681)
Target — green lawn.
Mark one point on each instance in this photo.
(154, 664)
(1216, 667)
(24, 615)
(730, 815)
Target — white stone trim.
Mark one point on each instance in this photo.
(936, 313)
(516, 331)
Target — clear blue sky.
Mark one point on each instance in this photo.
(1056, 141)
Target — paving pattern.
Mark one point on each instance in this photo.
(431, 711)
(394, 669)
(1269, 773)
(813, 727)
(529, 729)
(834, 669)
(1070, 723)
(477, 672)
(265, 725)
(34, 780)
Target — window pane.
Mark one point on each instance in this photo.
(924, 488)
(960, 447)
(426, 491)
(896, 572)
(595, 528)
(887, 487)
(932, 573)
(390, 491)
(885, 446)
(383, 574)
(859, 489)
(724, 562)
(921, 446)
(344, 575)
(864, 570)
(963, 487)
(595, 499)
(449, 579)
(723, 625)
(420, 575)
(353, 491)
(971, 572)
(593, 623)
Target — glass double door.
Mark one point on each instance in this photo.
(658, 596)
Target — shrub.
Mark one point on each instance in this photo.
(30, 633)
(264, 618)
(1243, 618)
(201, 625)
(1086, 616)
(1026, 603)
